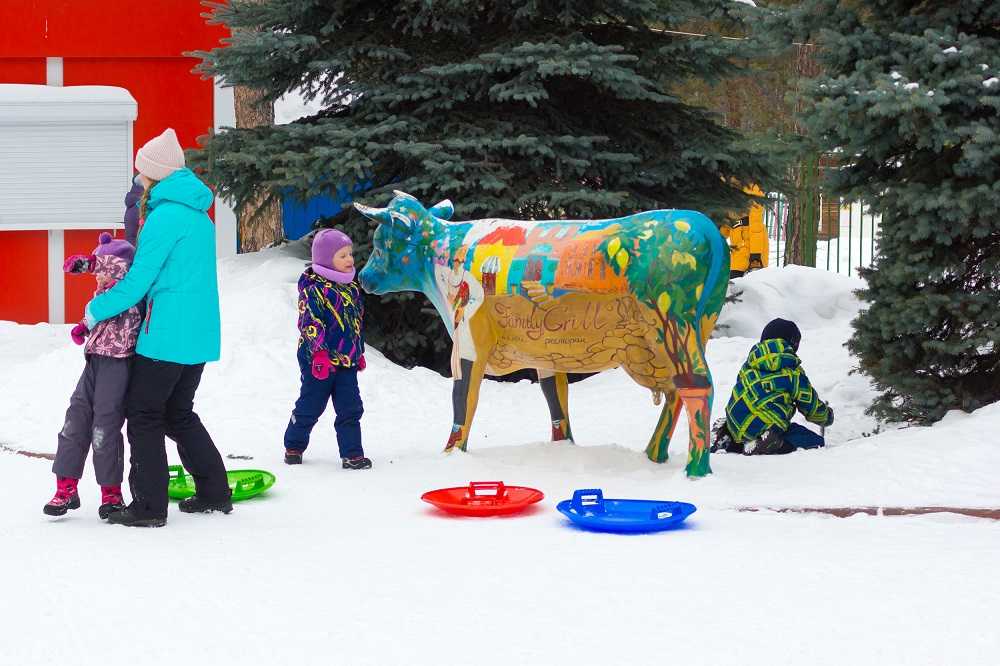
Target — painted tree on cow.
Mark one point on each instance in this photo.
(522, 109)
(661, 264)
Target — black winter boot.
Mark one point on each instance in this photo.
(128, 519)
(771, 442)
(722, 440)
(357, 462)
(198, 505)
(293, 457)
(106, 510)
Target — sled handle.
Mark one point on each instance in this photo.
(491, 491)
(589, 499)
(250, 483)
(661, 512)
(178, 469)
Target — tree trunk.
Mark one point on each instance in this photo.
(803, 213)
(260, 223)
(803, 203)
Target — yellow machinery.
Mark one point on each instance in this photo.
(747, 238)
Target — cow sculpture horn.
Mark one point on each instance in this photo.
(400, 193)
(379, 214)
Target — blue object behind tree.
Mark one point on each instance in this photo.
(298, 216)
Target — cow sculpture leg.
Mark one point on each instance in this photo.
(464, 398)
(698, 405)
(658, 443)
(555, 388)
(479, 343)
(696, 391)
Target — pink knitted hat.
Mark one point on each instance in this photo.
(161, 156)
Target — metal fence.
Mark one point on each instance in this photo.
(847, 234)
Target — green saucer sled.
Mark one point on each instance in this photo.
(245, 483)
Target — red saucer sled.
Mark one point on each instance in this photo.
(483, 498)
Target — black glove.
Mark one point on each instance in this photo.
(829, 418)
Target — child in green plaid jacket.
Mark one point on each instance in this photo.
(770, 387)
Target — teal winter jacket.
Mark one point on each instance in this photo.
(174, 268)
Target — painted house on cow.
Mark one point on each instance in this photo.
(492, 255)
(82, 84)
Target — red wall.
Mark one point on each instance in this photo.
(104, 28)
(22, 70)
(24, 281)
(136, 46)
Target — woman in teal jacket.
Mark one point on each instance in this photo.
(174, 269)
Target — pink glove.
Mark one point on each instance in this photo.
(80, 263)
(321, 364)
(362, 363)
(79, 333)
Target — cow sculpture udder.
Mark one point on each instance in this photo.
(642, 292)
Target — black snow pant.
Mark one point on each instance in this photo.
(95, 417)
(161, 403)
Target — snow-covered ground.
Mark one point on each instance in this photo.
(338, 567)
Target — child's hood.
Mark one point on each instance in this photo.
(183, 187)
(773, 355)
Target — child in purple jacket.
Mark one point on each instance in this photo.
(97, 408)
(331, 350)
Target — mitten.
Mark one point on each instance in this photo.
(362, 363)
(79, 333)
(79, 263)
(321, 364)
(829, 419)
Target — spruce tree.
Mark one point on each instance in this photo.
(910, 99)
(514, 108)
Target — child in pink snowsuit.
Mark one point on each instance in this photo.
(97, 408)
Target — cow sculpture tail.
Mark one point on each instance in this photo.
(713, 294)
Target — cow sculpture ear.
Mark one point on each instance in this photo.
(380, 215)
(443, 210)
(400, 223)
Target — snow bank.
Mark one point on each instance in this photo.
(812, 298)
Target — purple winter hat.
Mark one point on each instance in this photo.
(109, 246)
(326, 244)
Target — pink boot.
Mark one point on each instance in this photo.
(66, 497)
(111, 501)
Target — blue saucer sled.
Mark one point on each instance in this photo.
(590, 510)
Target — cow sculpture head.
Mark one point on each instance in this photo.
(402, 247)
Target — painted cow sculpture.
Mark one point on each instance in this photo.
(642, 292)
